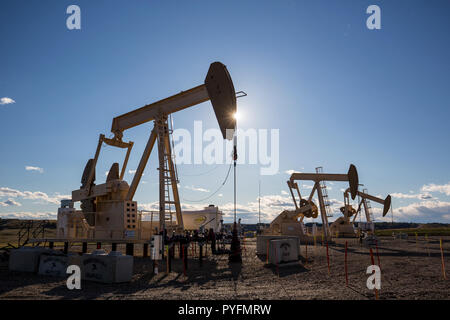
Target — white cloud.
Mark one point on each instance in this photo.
(444, 188)
(196, 189)
(423, 211)
(6, 100)
(29, 195)
(131, 171)
(284, 192)
(424, 208)
(9, 203)
(31, 168)
(291, 171)
(154, 206)
(419, 196)
(29, 215)
(273, 205)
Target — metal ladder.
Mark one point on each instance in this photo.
(169, 208)
(169, 203)
(326, 200)
(369, 206)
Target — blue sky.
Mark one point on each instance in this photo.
(338, 92)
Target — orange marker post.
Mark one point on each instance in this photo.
(442, 259)
(345, 264)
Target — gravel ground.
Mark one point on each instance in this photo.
(410, 270)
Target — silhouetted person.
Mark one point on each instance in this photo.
(212, 238)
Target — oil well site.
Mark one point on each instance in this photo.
(211, 151)
(122, 252)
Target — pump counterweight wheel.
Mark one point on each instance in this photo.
(311, 213)
(351, 211)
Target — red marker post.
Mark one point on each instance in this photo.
(378, 256)
(442, 260)
(373, 263)
(182, 257)
(328, 259)
(345, 264)
(306, 257)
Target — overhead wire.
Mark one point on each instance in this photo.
(218, 189)
(174, 161)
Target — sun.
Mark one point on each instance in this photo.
(237, 116)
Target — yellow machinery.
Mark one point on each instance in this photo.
(287, 223)
(343, 227)
(108, 210)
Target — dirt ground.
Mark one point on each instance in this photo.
(409, 270)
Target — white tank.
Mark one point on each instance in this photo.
(210, 217)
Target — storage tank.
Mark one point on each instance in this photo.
(209, 217)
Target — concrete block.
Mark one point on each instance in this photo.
(26, 259)
(283, 251)
(55, 264)
(262, 240)
(107, 268)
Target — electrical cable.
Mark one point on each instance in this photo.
(220, 187)
(200, 174)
